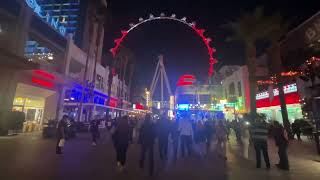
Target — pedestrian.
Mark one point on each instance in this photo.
(200, 138)
(281, 140)
(186, 135)
(146, 138)
(109, 122)
(94, 129)
(259, 136)
(237, 130)
(208, 133)
(221, 132)
(296, 129)
(245, 138)
(228, 126)
(121, 138)
(163, 131)
(61, 134)
(175, 138)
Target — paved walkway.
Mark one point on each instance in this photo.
(31, 157)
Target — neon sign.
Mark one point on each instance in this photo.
(54, 22)
(290, 88)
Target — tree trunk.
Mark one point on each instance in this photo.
(251, 63)
(123, 80)
(110, 80)
(284, 111)
(276, 68)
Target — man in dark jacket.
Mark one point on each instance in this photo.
(259, 136)
(94, 129)
(296, 129)
(208, 132)
(61, 128)
(146, 138)
(163, 131)
(281, 139)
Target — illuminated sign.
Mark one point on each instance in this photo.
(186, 80)
(54, 22)
(287, 89)
(183, 106)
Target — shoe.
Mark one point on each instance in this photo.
(59, 153)
(94, 144)
(118, 164)
(268, 167)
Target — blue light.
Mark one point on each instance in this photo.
(183, 107)
(51, 20)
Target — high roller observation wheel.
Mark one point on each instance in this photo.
(192, 25)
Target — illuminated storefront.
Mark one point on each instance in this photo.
(37, 95)
(271, 106)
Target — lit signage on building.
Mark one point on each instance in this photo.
(183, 107)
(287, 89)
(54, 22)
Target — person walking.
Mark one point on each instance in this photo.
(94, 129)
(61, 135)
(221, 138)
(200, 138)
(296, 129)
(245, 139)
(281, 140)
(186, 134)
(146, 138)
(259, 136)
(208, 133)
(121, 138)
(175, 138)
(163, 131)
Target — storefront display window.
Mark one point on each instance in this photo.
(32, 107)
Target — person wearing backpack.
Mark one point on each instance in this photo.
(281, 139)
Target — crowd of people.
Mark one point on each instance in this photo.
(186, 137)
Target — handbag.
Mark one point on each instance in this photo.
(61, 142)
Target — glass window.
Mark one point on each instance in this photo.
(232, 89)
(239, 89)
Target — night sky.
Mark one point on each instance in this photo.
(183, 50)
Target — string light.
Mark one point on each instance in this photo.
(40, 57)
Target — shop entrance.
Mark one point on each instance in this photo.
(32, 101)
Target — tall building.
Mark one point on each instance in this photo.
(68, 13)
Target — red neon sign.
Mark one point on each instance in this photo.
(186, 80)
(113, 102)
(139, 106)
(290, 98)
(42, 83)
(44, 74)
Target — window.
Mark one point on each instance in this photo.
(239, 88)
(232, 89)
(226, 93)
(99, 82)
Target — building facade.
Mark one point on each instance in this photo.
(48, 76)
(235, 88)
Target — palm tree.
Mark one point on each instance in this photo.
(120, 63)
(249, 28)
(279, 29)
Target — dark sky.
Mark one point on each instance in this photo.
(183, 50)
